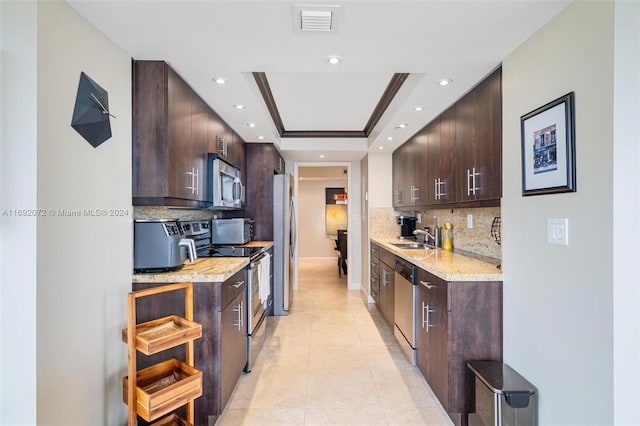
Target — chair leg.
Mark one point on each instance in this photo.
(339, 266)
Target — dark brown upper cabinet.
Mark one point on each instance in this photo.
(479, 141)
(174, 130)
(265, 162)
(456, 159)
(442, 166)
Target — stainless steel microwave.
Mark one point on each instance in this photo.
(231, 231)
(225, 189)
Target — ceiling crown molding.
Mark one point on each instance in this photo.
(385, 100)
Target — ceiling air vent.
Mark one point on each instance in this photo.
(311, 18)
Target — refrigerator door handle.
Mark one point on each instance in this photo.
(292, 230)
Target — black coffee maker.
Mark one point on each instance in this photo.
(407, 226)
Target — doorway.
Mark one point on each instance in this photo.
(322, 193)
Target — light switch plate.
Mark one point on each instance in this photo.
(469, 221)
(419, 218)
(558, 231)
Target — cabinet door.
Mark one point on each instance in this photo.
(479, 141)
(421, 190)
(433, 312)
(442, 153)
(488, 140)
(180, 166)
(234, 345)
(199, 127)
(218, 137)
(398, 176)
(421, 332)
(240, 155)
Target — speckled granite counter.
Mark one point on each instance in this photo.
(204, 269)
(446, 265)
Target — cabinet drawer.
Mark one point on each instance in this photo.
(375, 252)
(232, 287)
(387, 257)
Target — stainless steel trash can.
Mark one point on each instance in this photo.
(502, 396)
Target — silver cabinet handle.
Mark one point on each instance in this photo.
(439, 183)
(427, 284)
(384, 277)
(471, 177)
(241, 315)
(426, 310)
(239, 311)
(196, 174)
(415, 190)
(238, 284)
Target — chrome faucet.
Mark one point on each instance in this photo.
(426, 234)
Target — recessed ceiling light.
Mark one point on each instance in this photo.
(401, 126)
(390, 138)
(251, 124)
(260, 137)
(445, 82)
(220, 80)
(334, 60)
(321, 155)
(418, 108)
(381, 147)
(239, 106)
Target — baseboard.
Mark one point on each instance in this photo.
(318, 259)
(366, 295)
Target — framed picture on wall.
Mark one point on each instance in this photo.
(548, 148)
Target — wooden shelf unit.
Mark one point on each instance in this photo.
(158, 390)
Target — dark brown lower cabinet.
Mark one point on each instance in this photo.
(221, 352)
(456, 322)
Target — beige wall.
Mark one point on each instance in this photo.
(558, 299)
(380, 184)
(84, 263)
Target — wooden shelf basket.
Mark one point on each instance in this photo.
(172, 420)
(164, 333)
(163, 388)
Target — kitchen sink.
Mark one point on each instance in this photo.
(412, 246)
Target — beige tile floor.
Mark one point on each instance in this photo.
(332, 361)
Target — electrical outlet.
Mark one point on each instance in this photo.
(558, 231)
(419, 218)
(470, 221)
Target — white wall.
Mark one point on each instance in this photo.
(17, 233)
(84, 263)
(380, 183)
(313, 242)
(626, 205)
(558, 307)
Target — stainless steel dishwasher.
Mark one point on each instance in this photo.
(404, 304)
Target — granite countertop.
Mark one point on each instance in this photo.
(444, 264)
(203, 269)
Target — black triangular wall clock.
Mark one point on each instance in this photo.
(91, 112)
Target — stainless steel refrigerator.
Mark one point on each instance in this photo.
(284, 243)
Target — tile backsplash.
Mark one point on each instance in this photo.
(382, 224)
(154, 212)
